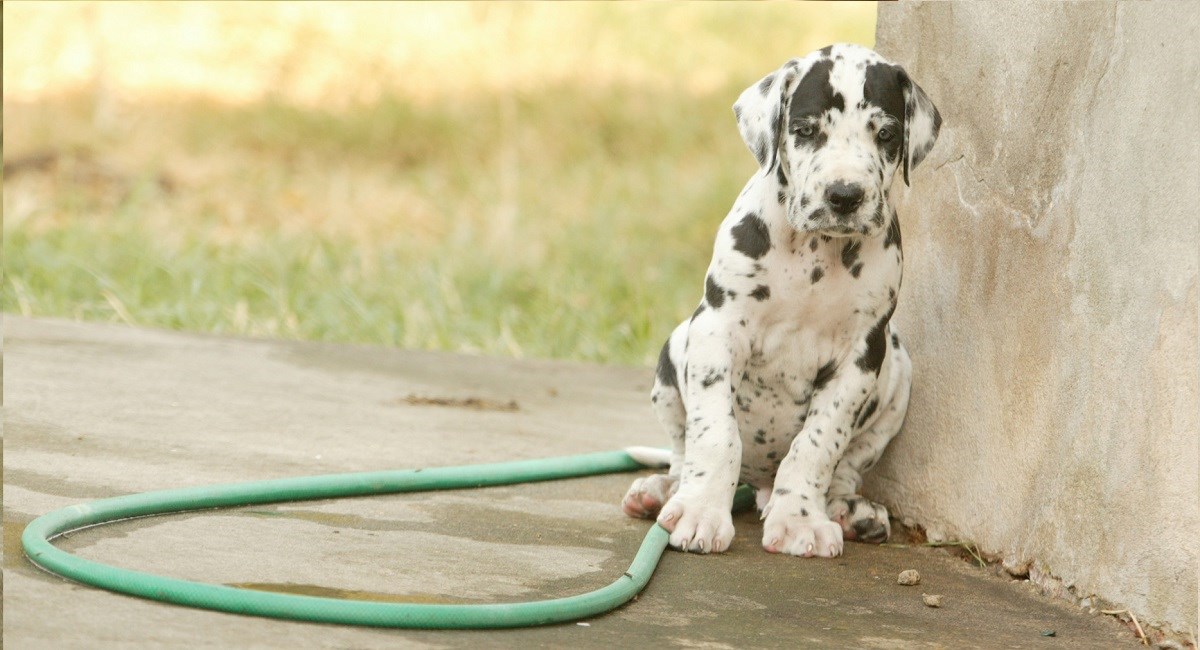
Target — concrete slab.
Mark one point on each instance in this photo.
(97, 410)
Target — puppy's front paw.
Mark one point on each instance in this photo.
(697, 526)
(803, 536)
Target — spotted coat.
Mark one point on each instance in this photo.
(790, 376)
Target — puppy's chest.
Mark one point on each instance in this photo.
(825, 296)
(823, 288)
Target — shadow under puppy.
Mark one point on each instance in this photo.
(789, 376)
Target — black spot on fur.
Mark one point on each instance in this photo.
(780, 196)
(751, 237)
(814, 94)
(782, 491)
(711, 378)
(812, 244)
(817, 274)
(866, 413)
(666, 368)
(872, 358)
(838, 102)
(827, 50)
(824, 374)
(856, 269)
(893, 233)
(713, 293)
(761, 292)
(883, 86)
(699, 310)
(764, 86)
(850, 252)
(779, 175)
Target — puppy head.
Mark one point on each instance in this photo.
(833, 128)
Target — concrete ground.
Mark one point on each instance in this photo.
(96, 411)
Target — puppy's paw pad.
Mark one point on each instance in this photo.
(647, 495)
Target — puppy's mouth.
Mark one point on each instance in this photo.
(867, 219)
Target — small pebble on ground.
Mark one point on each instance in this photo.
(909, 577)
(932, 600)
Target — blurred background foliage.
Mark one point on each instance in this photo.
(538, 179)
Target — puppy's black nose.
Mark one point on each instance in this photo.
(844, 198)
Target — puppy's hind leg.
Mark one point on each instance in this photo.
(862, 519)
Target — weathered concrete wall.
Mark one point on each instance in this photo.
(1050, 293)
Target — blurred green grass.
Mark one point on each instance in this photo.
(570, 220)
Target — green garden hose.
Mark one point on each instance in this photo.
(37, 535)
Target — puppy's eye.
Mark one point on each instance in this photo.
(805, 130)
(885, 134)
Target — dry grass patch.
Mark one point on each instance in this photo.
(538, 180)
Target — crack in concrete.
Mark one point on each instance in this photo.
(1117, 50)
(1029, 221)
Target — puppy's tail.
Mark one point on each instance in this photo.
(650, 456)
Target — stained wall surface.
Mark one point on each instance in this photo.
(1050, 294)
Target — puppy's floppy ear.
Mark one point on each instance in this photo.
(921, 123)
(759, 113)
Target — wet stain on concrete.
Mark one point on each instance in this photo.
(57, 486)
(14, 525)
(343, 594)
(332, 519)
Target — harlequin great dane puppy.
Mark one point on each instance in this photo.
(789, 375)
